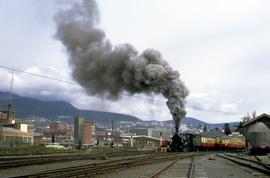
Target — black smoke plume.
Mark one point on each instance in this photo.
(107, 70)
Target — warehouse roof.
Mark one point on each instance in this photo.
(12, 131)
(9, 129)
(264, 115)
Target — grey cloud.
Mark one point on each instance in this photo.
(211, 103)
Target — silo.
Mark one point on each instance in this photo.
(258, 137)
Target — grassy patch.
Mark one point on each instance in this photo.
(38, 149)
(28, 150)
(98, 150)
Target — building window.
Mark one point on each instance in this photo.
(25, 139)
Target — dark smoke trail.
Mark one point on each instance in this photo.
(108, 70)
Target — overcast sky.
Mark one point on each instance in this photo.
(220, 48)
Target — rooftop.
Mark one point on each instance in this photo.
(256, 118)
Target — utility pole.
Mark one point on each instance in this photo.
(9, 111)
(10, 102)
(112, 141)
(1, 125)
(112, 132)
(69, 137)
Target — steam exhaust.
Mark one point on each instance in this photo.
(108, 70)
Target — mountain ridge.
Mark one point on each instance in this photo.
(25, 107)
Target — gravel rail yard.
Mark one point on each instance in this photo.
(205, 165)
(147, 165)
(247, 162)
(181, 167)
(107, 166)
(18, 161)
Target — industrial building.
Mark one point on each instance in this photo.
(257, 133)
(141, 142)
(146, 138)
(155, 133)
(78, 130)
(89, 129)
(14, 137)
(104, 138)
(265, 118)
(7, 116)
(12, 132)
(84, 132)
(60, 132)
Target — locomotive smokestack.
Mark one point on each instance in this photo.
(107, 70)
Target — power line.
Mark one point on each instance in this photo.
(37, 75)
(69, 82)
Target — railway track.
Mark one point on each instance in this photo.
(264, 160)
(108, 166)
(186, 168)
(9, 162)
(253, 164)
(257, 160)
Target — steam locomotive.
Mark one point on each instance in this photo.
(198, 142)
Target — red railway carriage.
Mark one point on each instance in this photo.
(236, 144)
(203, 142)
(230, 143)
(217, 142)
(222, 143)
(208, 143)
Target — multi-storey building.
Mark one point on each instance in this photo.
(89, 133)
(84, 131)
(59, 132)
(78, 130)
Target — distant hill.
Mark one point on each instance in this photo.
(193, 121)
(196, 122)
(232, 124)
(190, 120)
(59, 110)
(26, 107)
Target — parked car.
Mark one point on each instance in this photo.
(56, 146)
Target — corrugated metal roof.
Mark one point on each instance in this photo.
(9, 129)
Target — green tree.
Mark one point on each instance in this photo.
(53, 139)
(227, 129)
(240, 128)
(80, 144)
(204, 128)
